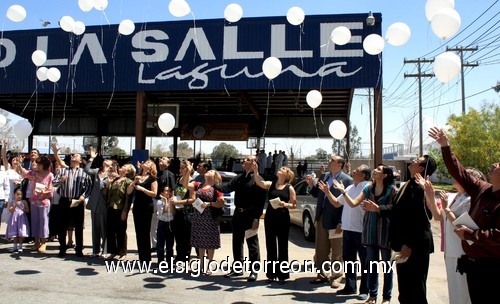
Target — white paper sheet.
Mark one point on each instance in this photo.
(250, 232)
(275, 202)
(74, 203)
(197, 204)
(467, 221)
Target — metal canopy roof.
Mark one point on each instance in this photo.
(194, 106)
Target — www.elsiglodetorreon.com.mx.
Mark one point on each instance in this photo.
(193, 266)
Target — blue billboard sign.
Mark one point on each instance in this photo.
(188, 55)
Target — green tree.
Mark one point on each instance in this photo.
(321, 154)
(355, 144)
(159, 150)
(183, 150)
(109, 145)
(117, 151)
(224, 150)
(475, 136)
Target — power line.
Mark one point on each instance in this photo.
(419, 77)
(461, 50)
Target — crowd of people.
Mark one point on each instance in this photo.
(360, 216)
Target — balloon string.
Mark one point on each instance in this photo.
(315, 124)
(113, 55)
(195, 39)
(1, 39)
(52, 112)
(105, 17)
(32, 94)
(223, 70)
(70, 56)
(301, 31)
(267, 107)
(64, 113)
(100, 64)
(324, 63)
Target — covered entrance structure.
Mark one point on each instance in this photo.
(208, 75)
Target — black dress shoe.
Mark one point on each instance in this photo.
(61, 253)
(252, 277)
(79, 254)
(233, 274)
(345, 292)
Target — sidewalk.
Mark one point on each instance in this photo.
(47, 278)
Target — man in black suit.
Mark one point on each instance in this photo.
(328, 218)
(410, 232)
(249, 200)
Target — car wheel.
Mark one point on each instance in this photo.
(308, 227)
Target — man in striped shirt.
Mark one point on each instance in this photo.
(74, 186)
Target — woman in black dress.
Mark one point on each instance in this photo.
(277, 221)
(146, 187)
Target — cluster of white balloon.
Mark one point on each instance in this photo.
(43, 73)
(445, 22)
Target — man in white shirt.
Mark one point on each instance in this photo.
(352, 227)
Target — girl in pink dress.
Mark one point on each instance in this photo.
(17, 226)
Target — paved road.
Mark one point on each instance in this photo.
(46, 278)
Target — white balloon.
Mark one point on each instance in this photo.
(78, 28)
(295, 15)
(16, 13)
(314, 98)
(100, 5)
(179, 8)
(233, 12)
(38, 57)
(85, 5)
(67, 23)
(340, 35)
(166, 122)
(337, 129)
(398, 34)
(22, 129)
(432, 6)
(373, 44)
(3, 121)
(271, 67)
(126, 27)
(41, 73)
(447, 66)
(446, 23)
(53, 74)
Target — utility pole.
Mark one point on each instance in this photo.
(463, 64)
(419, 76)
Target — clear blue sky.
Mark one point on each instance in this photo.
(400, 94)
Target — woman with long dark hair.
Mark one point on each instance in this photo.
(375, 235)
